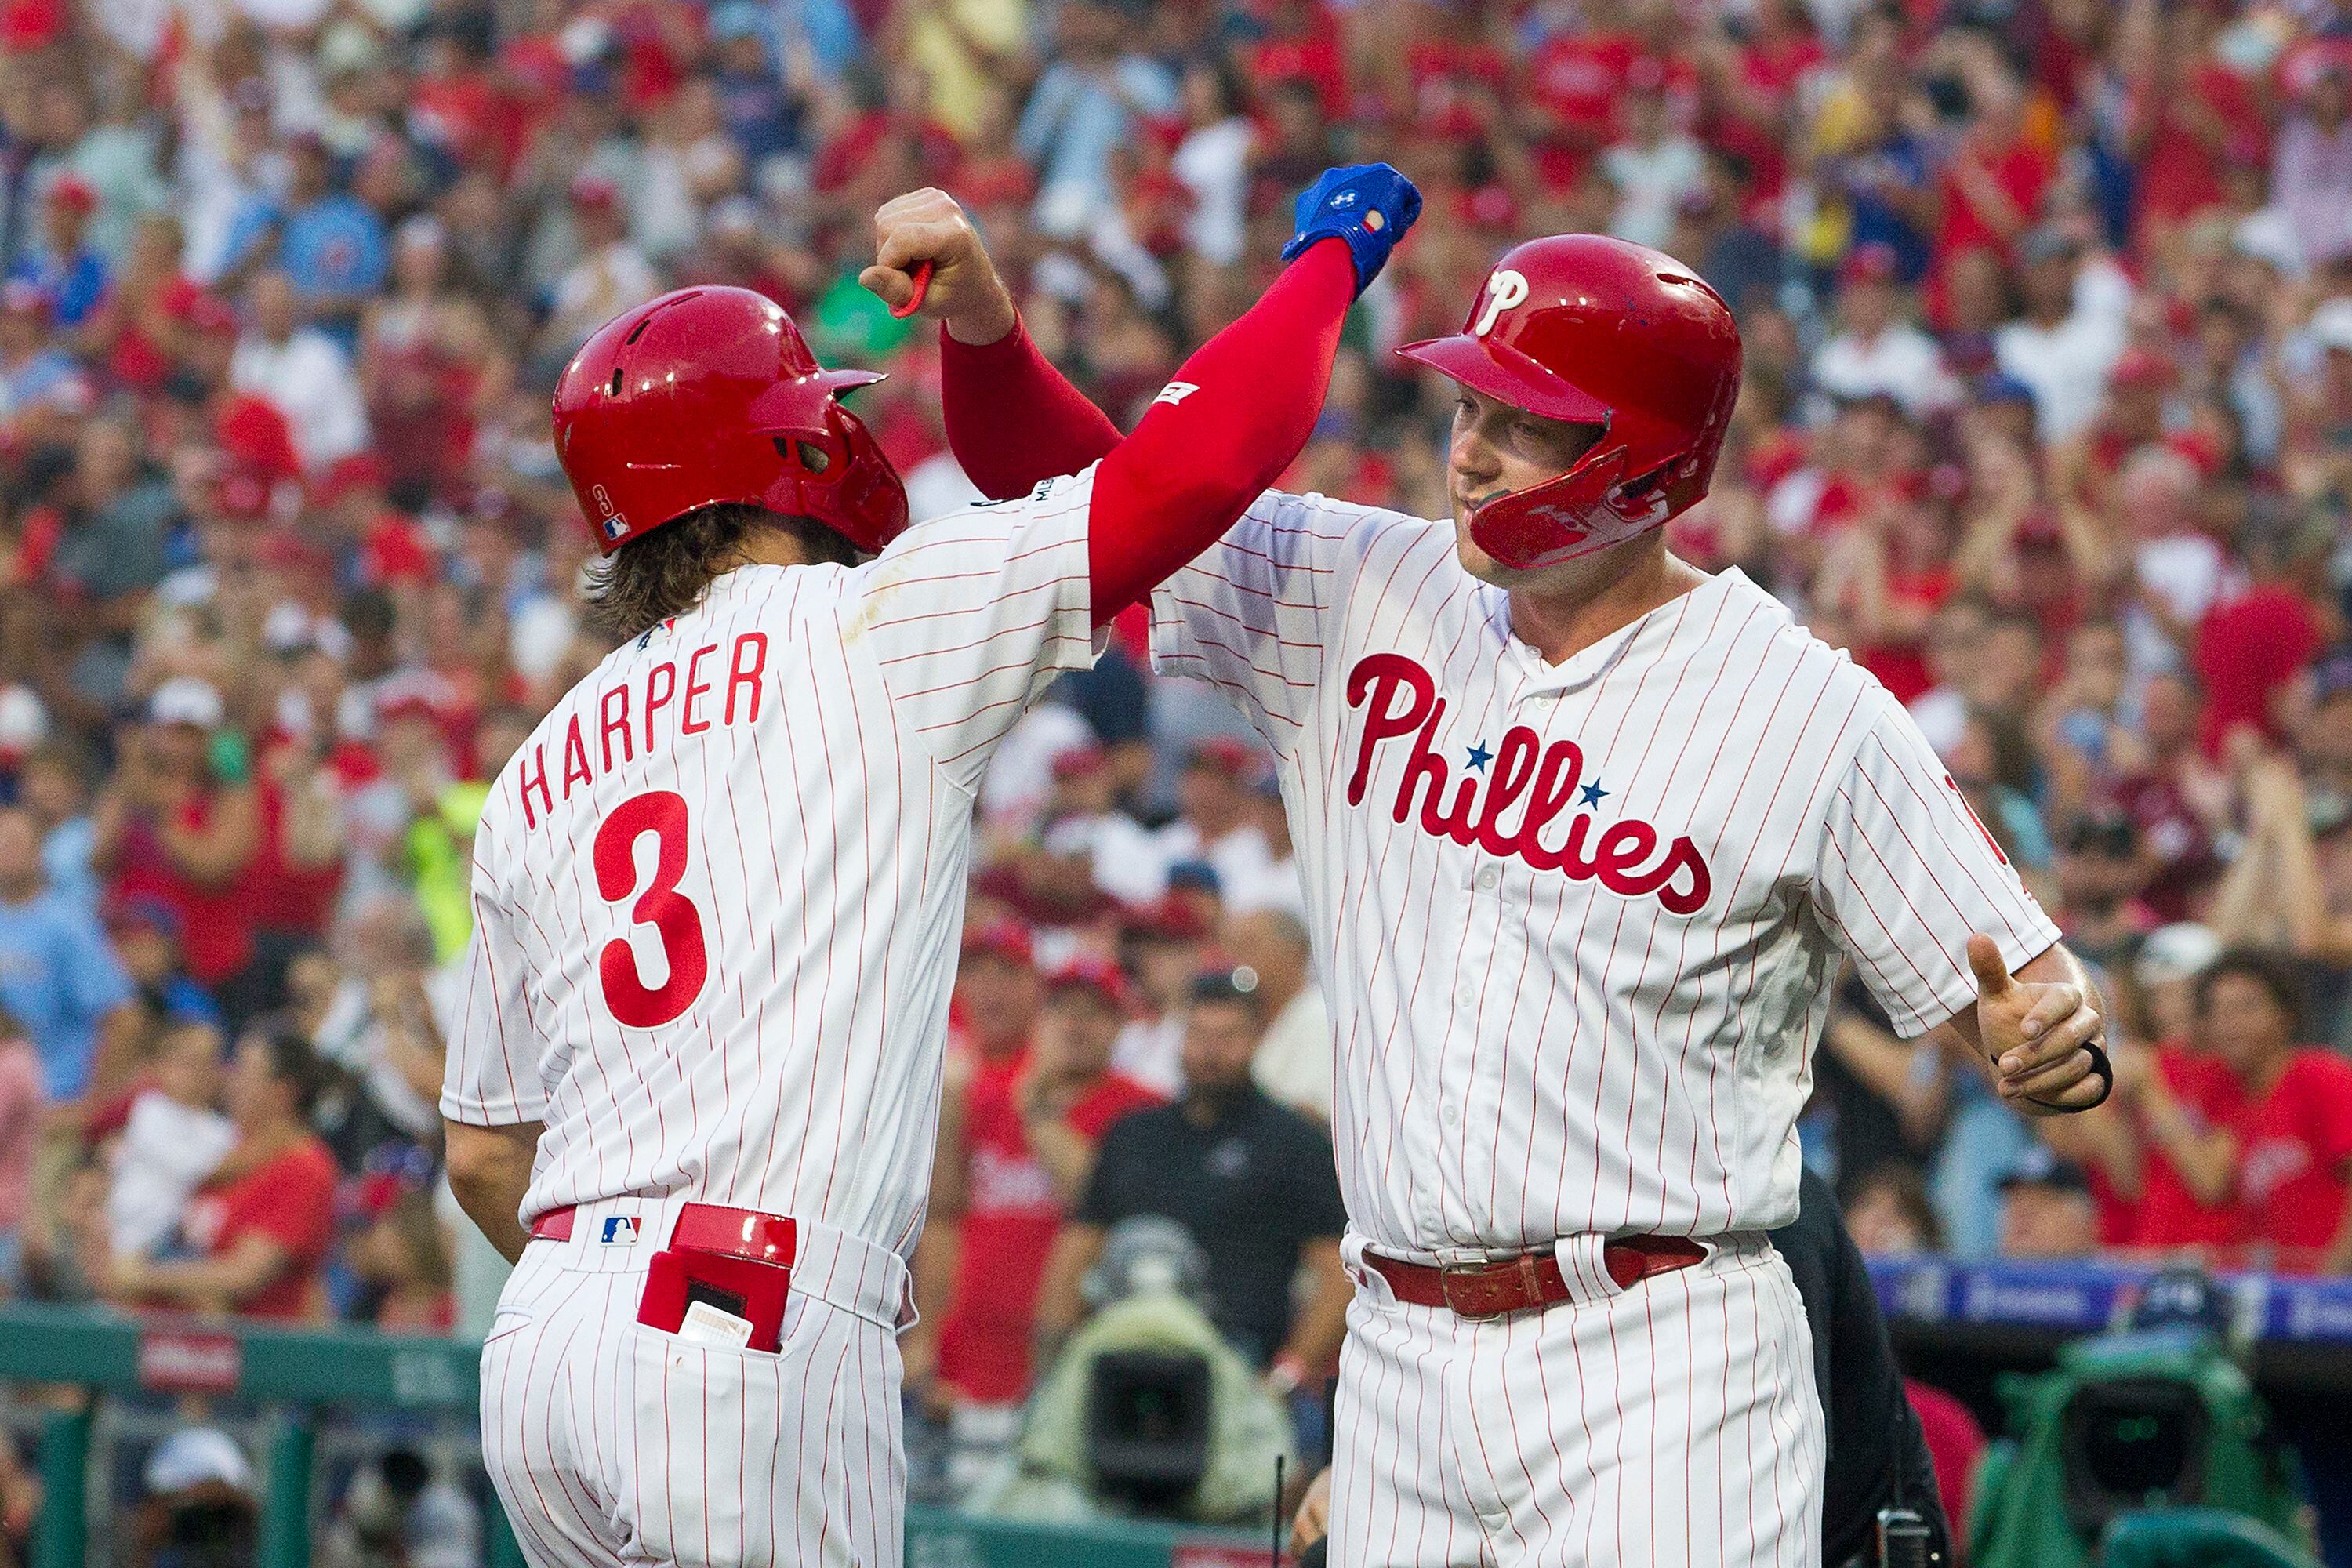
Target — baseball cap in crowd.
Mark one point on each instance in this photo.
(1080, 762)
(30, 24)
(73, 193)
(142, 912)
(2177, 952)
(209, 314)
(1194, 877)
(733, 215)
(1874, 261)
(2331, 324)
(289, 628)
(592, 191)
(2143, 368)
(2102, 832)
(2038, 1167)
(2331, 678)
(22, 296)
(24, 721)
(1087, 972)
(187, 699)
(193, 1455)
(1235, 759)
(1225, 985)
(1007, 939)
(1166, 920)
(346, 47)
(360, 471)
(2001, 387)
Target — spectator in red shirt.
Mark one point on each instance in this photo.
(2249, 650)
(2290, 1140)
(1995, 182)
(262, 1223)
(176, 827)
(1015, 1154)
(2159, 1152)
(996, 994)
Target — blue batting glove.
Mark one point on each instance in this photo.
(1369, 205)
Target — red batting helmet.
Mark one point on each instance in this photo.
(1595, 330)
(708, 396)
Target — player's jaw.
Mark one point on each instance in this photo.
(1497, 450)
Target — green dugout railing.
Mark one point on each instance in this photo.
(301, 1374)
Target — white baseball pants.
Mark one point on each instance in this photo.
(1670, 1425)
(613, 1443)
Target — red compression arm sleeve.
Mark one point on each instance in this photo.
(1197, 460)
(1013, 419)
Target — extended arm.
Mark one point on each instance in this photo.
(221, 1284)
(1247, 399)
(1251, 394)
(1012, 418)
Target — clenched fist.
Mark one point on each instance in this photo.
(965, 293)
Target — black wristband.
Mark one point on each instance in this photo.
(2105, 1071)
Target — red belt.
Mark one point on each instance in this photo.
(703, 1228)
(1532, 1281)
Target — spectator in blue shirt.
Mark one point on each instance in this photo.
(62, 263)
(58, 977)
(757, 98)
(1085, 105)
(827, 29)
(145, 931)
(33, 369)
(332, 245)
(1887, 178)
(53, 783)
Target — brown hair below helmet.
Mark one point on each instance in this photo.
(667, 572)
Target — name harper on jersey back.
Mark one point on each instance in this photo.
(1399, 698)
(634, 712)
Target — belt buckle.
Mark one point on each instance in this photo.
(1480, 1302)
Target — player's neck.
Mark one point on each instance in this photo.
(1570, 614)
(770, 547)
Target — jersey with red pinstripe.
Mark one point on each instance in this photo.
(1579, 924)
(743, 997)
(716, 900)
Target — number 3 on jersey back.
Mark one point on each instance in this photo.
(671, 913)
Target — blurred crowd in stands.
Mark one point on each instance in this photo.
(2048, 419)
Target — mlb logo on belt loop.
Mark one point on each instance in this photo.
(618, 1230)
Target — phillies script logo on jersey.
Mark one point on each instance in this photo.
(1400, 699)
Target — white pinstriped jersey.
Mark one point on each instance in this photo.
(718, 894)
(1579, 924)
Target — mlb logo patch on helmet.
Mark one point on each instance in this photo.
(615, 529)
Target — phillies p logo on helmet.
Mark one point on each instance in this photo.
(1504, 288)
